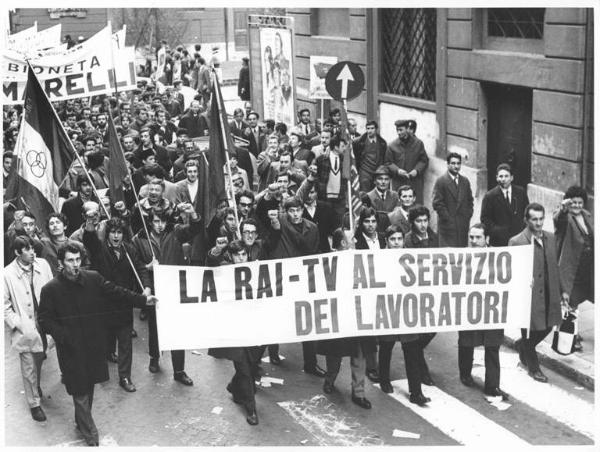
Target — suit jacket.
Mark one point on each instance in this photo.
(325, 221)
(454, 206)
(408, 156)
(359, 146)
(501, 219)
(196, 126)
(545, 306)
(255, 147)
(391, 200)
(182, 193)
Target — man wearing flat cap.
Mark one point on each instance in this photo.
(382, 198)
(407, 160)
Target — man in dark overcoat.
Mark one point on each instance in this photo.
(503, 207)
(490, 339)
(72, 310)
(407, 160)
(547, 292)
(369, 152)
(453, 202)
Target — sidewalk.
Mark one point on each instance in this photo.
(577, 366)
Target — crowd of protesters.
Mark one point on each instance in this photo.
(289, 199)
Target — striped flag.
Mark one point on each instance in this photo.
(44, 154)
(349, 171)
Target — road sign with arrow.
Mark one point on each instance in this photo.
(344, 81)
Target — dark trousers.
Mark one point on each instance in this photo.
(242, 383)
(413, 359)
(424, 340)
(528, 347)
(357, 368)
(492, 365)
(83, 416)
(177, 356)
(121, 335)
(309, 352)
(385, 359)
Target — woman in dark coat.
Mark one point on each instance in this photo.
(574, 230)
(413, 352)
(244, 359)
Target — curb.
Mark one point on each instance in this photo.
(576, 369)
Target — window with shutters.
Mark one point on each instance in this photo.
(408, 52)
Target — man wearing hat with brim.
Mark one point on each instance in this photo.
(382, 198)
(407, 160)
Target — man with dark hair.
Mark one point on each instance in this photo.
(245, 204)
(547, 294)
(71, 208)
(23, 281)
(399, 216)
(490, 339)
(164, 246)
(503, 207)
(407, 160)
(72, 307)
(194, 121)
(305, 125)
(238, 125)
(290, 235)
(369, 152)
(453, 202)
(255, 136)
(113, 258)
(147, 143)
(324, 144)
(56, 225)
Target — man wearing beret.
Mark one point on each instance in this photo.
(407, 160)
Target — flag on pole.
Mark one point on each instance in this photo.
(117, 166)
(349, 171)
(43, 151)
(219, 142)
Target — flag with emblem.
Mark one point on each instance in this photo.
(43, 154)
(349, 171)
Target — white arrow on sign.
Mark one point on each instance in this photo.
(345, 75)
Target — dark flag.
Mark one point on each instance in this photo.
(117, 166)
(44, 154)
(219, 142)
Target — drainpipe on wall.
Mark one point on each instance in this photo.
(587, 93)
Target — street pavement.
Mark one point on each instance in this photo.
(295, 412)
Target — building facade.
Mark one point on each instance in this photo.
(496, 85)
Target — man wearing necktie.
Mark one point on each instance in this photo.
(453, 202)
(503, 207)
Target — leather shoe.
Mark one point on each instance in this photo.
(126, 384)
(419, 399)
(373, 376)
(252, 418)
(133, 333)
(38, 414)
(362, 402)
(327, 387)
(275, 359)
(427, 380)
(497, 392)
(316, 371)
(143, 315)
(182, 377)
(113, 358)
(153, 366)
(467, 380)
(539, 376)
(387, 387)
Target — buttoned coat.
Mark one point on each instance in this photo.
(501, 219)
(454, 206)
(72, 312)
(19, 313)
(384, 205)
(542, 316)
(409, 155)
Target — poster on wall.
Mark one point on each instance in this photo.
(319, 66)
(277, 74)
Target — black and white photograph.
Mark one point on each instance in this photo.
(347, 224)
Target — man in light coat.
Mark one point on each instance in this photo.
(23, 281)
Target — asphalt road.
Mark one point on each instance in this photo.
(296, 413)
